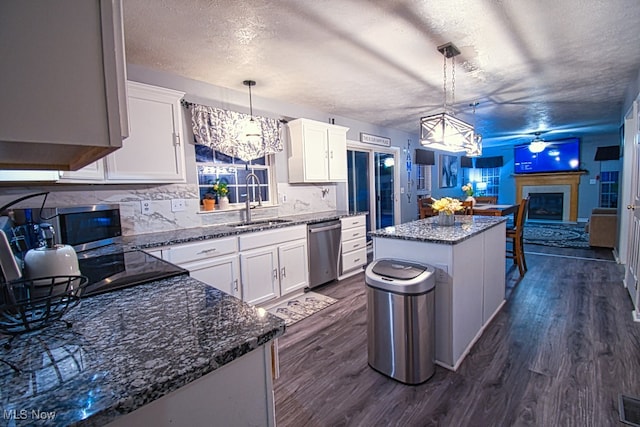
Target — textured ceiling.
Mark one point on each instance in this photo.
(558, 66)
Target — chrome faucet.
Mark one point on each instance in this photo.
(254, 177)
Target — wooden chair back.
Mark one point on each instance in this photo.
(425, 209)
(515, 236)
(468, 207)
(491, 200)
(521, 215)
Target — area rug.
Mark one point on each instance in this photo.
(556, 235)
(301, 306)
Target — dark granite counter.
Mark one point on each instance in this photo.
(428, 230)
(166, 238)
(126, 349)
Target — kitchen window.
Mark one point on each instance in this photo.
(213, 165)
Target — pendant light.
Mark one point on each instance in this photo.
(252, 131)
(443, 131)
(476, 150)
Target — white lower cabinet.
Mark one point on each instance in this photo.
(354, 244)
(220, 272)
(269, 264)
(273, 263)
(294, 271)
(214, 262)
(259, 269)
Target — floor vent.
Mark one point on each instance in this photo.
(629, 410)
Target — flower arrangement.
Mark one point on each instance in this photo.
(448, 205)
(220, 188)
(468, 189)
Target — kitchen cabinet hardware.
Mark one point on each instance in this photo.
(207, 251)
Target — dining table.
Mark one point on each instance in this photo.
(494, 210)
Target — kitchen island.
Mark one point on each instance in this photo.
(169, 351)
(470, 274)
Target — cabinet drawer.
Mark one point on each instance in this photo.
(353, 233)
(353, 221)
(354, 260)
(205, 249)
(355, 244)
(272, 237)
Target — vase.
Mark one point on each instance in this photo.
(223, 202)
(471, 199)
(446, 219)
(209, 204)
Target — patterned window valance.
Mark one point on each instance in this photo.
(222, 130)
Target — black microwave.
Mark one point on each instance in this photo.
(83, 227)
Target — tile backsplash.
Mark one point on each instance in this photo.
(292, 200)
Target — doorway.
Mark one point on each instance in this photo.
(373, 184)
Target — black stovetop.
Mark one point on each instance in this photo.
(123, 269)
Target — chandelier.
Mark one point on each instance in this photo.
(443, 131)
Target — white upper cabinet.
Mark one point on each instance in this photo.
(154, 150)
(318, 152)
(63, 80)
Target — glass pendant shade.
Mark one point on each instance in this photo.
(252, 131)
(447, 133)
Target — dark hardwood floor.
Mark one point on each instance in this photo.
(559, 353)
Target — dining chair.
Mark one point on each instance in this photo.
(515, 237)
(490, 200)
(468, 207)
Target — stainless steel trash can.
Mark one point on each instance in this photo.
(400, 319)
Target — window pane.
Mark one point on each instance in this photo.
(213, 165)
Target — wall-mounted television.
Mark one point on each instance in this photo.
(552, 156)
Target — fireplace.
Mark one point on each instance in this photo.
(558, 182)
(547, 206)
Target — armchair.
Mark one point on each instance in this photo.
(602, 227)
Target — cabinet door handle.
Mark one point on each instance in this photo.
(326, 154)
(356, 246)
(283, 273)
(356, 260)
(356, 234)
(207, 251)
(275, 274)
(332, 154)
(235, 285)
(176, 139)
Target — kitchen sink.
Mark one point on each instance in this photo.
(260, 223)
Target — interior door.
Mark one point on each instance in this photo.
(358, 182)
(633, 249)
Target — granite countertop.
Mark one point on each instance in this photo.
(126, 349)
(129, 347)
(173, 237)
(428, 230)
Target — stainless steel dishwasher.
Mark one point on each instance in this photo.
(324, 251)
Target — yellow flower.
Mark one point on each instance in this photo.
(447, 205)
(468, 189)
